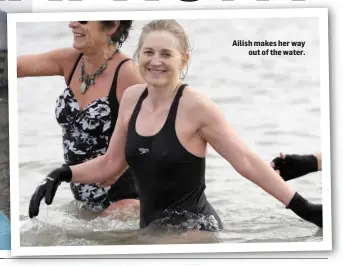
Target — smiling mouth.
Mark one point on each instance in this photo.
(78, 35)
(156, 71)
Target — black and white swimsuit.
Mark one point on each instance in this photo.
(86, 135)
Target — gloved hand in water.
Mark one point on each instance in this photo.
(306, 210)
(293, 165)
(47, 189)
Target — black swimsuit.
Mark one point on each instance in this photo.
(86, 135)
(171, 180)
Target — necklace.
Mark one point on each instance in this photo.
(88, 80)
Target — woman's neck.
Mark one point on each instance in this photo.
(94, 60)
(161, 96)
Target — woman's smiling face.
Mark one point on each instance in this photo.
(88, 37)
(160, 60)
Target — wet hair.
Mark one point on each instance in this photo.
(122, 33)
(171, 26)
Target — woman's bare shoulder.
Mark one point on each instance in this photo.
(132, 93)
(197, 106)
(194, 100)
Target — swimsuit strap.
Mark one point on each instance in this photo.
(170, 123)
(72, 72)
(112, 96)
(132, 123)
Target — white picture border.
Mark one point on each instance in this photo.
(5, 254)
(326, 244)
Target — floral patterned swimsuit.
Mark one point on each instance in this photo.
(86, 135)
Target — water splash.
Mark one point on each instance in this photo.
(185, 220)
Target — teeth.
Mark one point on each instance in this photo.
(156, 71)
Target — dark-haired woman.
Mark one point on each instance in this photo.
(96, 73)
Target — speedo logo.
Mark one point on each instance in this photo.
(143, 150)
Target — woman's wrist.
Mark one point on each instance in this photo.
(319, 160)
(67, 173)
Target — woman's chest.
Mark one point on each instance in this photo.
(96, 116)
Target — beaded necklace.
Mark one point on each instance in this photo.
(88, 80)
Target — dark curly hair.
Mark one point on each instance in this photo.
(122, 32)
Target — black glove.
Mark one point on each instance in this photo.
(295, 165)
(47, 189)
(306, 210)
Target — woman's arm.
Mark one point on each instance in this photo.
(291, 166)
(45, 64)
(106, 168)
(213, 128)
(319, 159)
(112, 164)
(217, 132)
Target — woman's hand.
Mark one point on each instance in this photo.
(294, 165)
(218, 133)
(306, 210)
(47, 189)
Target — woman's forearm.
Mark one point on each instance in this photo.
(319, 159)
(263, 175)
(98, 170)
(21, 67)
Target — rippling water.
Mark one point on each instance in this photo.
(272, 102)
